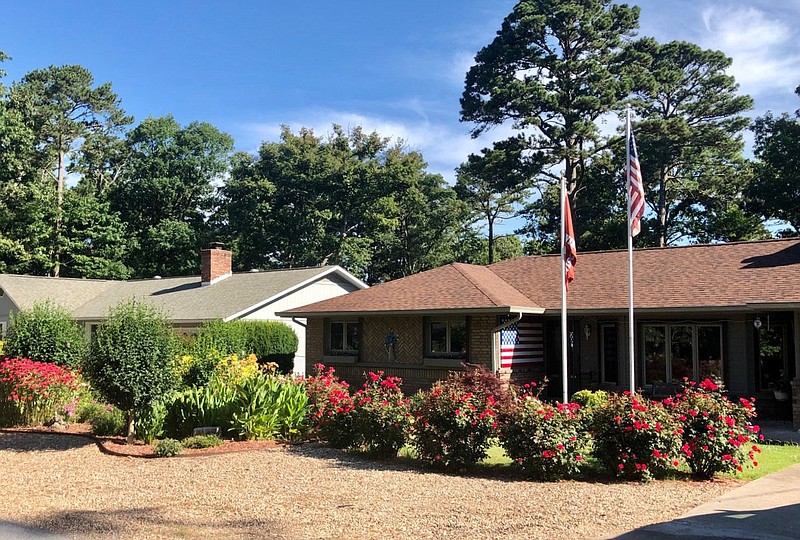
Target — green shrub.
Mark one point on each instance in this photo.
(46, 333)
(132, 358)
(635, 437)
(270, 341)
(589, 401)
(204, 406)
(543, 440)
(108, 423)
(453, 425)
(168, 448)
(88, 410)
(717, 434)
(150, 422)
(202, 441)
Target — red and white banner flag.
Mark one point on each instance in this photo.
(570, 249)
(636, 187)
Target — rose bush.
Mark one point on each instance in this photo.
(332, 409)
(636, 438)
(544, 440)
(381, 416)
(718, 436)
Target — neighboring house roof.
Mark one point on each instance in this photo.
(454, 287)
(180, 298)
(716, 276)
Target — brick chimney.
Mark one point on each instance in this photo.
(215, 264)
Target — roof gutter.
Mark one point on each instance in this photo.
(413, 312)
(495, 355)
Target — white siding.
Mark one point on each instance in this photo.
(327, 287)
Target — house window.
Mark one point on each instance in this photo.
(673, 352)
(609, 358)
(343, 337)
(771, 350)
(447, 337)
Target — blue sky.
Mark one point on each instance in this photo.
(249, 66)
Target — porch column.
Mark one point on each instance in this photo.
(796, 380)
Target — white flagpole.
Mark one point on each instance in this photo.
(631, 328)
(564, 387)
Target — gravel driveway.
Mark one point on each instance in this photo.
(64, 484)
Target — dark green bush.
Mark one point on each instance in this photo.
(202, 441)
(132, 358)
(270, 341)
(88, 410)
(108, 422)
(46, 333)
(168, 448)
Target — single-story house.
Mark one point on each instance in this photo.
(725, 310)
(217, 293)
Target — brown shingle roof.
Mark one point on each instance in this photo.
(715, 276)
(686, 277)
(455, 286)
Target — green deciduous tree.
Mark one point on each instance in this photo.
(776, 187)
(164, 192)
(132, 358)
(493, 184)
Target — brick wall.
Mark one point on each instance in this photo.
(214, 264)
(315, 342)
(481, 342)
(409, 348)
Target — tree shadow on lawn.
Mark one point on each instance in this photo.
(21, 441)
(345, 459)
(139, 521)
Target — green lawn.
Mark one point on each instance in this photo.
(771, 459)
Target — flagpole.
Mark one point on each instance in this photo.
(564, 387)
(631, 329)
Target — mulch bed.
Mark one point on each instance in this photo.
(116, 446)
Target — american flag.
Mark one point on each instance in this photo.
(636, 187)
(521, 343)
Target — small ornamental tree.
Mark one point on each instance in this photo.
(131, 361)
(717, 434)
(46, 333)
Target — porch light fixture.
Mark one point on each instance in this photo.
(587, 331)
(757, 322)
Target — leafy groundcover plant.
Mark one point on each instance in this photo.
(636, 438)
(32, 393)
(545, 441)
(718, 436)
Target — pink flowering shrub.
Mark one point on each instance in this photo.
(544, 440)
(332, 408)
(718, 436)
(381, 416)
(636, 438)
(32, 393)
(453, 426)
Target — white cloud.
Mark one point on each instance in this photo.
(762, 47)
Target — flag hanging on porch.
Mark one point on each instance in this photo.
(570, 249)
(521, 343)
(636, 187)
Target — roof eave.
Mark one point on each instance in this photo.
(406, 312)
